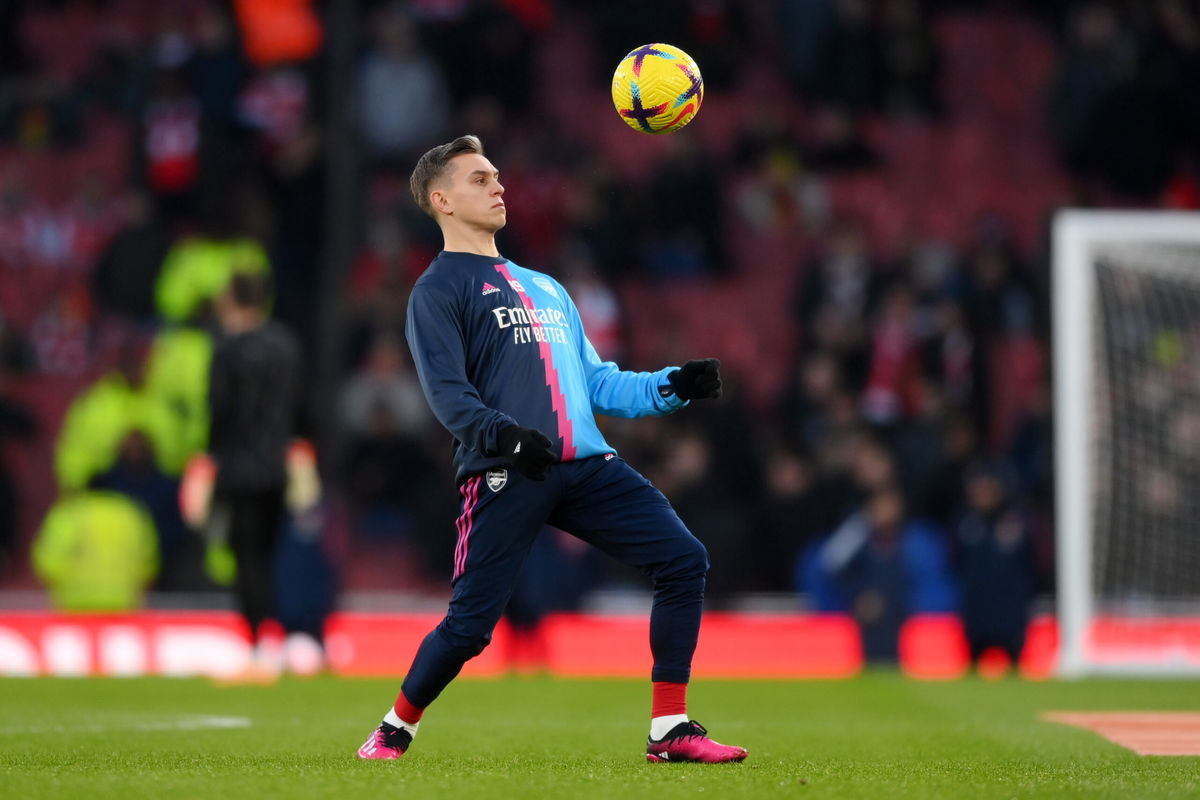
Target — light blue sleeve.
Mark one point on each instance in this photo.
(618, 393)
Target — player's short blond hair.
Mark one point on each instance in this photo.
(432, 166)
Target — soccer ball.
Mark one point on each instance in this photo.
(657, 89)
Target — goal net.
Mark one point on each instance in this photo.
(1126, 299)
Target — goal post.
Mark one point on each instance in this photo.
(1126, 344)
(1126, 338)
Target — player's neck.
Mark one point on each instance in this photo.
(475, 241)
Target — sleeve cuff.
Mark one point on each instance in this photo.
(670, 402)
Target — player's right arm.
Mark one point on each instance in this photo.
(437, 339)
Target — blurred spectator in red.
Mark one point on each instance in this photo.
(275, 104)
(171, 141)
(889, 396)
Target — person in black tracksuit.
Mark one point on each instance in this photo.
(255, 393)
(507, 369)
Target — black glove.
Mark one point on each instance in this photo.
(699, 379)
(528, 449)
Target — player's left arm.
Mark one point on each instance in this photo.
(620, 393)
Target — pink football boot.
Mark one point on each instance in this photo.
(688, 741)
(385, 741)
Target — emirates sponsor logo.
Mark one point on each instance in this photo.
(533, 325)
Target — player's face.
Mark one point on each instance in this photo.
(475, 195)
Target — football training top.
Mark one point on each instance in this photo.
(496, 344)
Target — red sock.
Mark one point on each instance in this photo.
(406, 710)
(669, 698)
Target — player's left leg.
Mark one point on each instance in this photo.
(610, 505)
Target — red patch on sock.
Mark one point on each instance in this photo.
(406, 710)
(669, 698)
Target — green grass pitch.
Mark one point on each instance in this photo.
(876, 736)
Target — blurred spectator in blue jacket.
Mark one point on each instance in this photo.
(996, 567)
(881, 566)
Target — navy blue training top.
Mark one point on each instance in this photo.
(496, 344)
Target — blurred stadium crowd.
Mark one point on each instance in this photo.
(855, 224)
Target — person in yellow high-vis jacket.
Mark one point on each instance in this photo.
(177, 379)
(96, 422)
(197, 269)
(96, 551)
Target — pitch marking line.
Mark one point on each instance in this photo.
(183, 722)
(1147, 733)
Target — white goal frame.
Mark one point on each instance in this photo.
(1076, 234)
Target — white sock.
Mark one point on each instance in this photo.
(391, 719)
(661, 726)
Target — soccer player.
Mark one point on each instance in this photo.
(507, 369)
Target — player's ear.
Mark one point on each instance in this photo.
(440, 202)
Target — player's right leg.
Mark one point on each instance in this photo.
(611, 505)
(500, 518)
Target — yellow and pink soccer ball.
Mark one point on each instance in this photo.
(657, 88)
